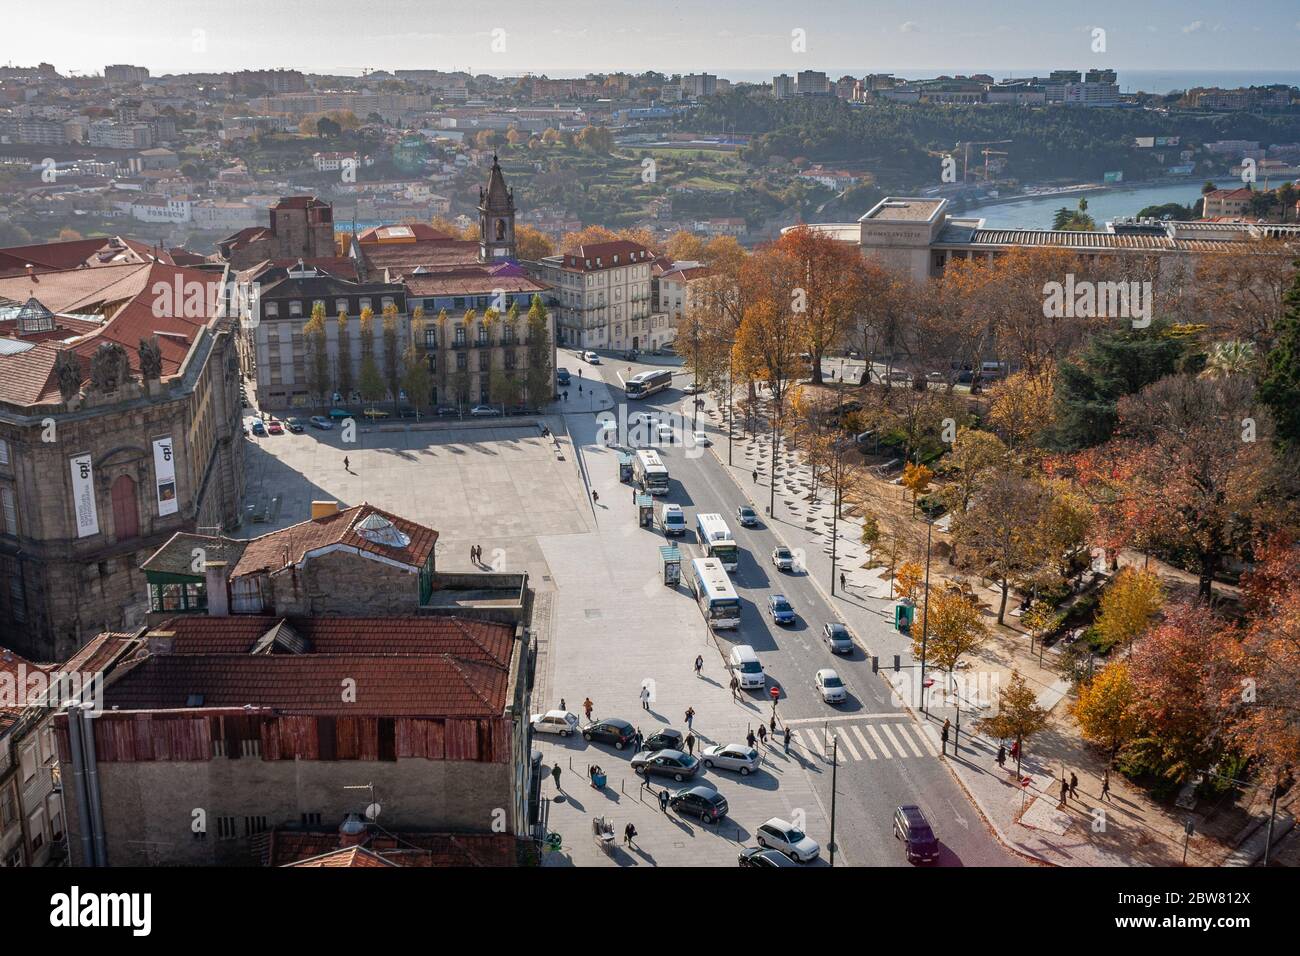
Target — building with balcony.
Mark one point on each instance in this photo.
(603, 297)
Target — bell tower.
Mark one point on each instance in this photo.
(496, 218)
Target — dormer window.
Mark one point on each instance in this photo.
(340, 306)
(365, 304)
(272, 309)
(295, 307)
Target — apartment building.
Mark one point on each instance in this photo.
(603, 297)
(783, 86)
(32, 829)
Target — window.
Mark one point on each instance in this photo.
(4, 452)
(340, 306)
(462, 361)
(511, 359)
(458, 302)
(508, 335)
(460, 335)
(272, 309)
(225, 828)
(365, 303)
(482, 335)
(295, 307)
(311, 819)
(254, 825)
(321, 303)
(28, 762)
(387, 301)
(8, 512)
(36, 827)
(484, 361)
(430, 338)
(8, 808)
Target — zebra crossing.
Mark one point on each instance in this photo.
(867, 740)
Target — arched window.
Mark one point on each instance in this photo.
(126, 516)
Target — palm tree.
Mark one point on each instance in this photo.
(1233, 357)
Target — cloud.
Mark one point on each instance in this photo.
(911, 26)
(1194, 26)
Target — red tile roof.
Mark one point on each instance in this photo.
(353, 856)
(289, 546)
(477, 280)
(418, 232)
(628, 252)
(16, 669)
(297, 847)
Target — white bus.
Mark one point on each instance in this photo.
(716, 540)
(644, 384)
(717, 599)
(650, 472)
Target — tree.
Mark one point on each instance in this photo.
(344, 377)
(1022, 407)
(973, 456)
(1002, 529)
(1243, 292)
(916, 479)
(1279, 385)
(392, 352)
(532, 244)
(954, 628)
(909, 580)
(1128, 606)
(417, 380)
(538, 382)
(687, 246)
(1105, 708)
(1233, 357)
(318, 359)
(371, 382)
(825, 289)
(1018, 718)
(589, 235)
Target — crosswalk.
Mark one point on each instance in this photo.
(866, 740)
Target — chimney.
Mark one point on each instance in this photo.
(352, 832)
(323, 509)
(160, 642)
(216, 578)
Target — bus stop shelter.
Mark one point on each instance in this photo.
(670, 560)
(645, 508)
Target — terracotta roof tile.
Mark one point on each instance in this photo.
(406, 848)
(280, 549)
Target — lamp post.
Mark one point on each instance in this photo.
(836, 477)
(835, 766)
(731, 409)
(925, 616)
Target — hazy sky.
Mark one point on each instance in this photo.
(570, 37)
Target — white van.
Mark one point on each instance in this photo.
(672, 519)
(744, 664)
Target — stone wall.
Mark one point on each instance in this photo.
(343, 583)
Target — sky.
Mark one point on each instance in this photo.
(573, 37)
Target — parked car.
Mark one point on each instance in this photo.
(611, 731)
(666, 739)
(259, 427)
(737, 757)
(666, 763)
(484, 411)
(780, 609)
(747, 516)
(560, 722)
(778, 834)
(692, 389)
(665, 433)
(294, 425)
(699, 801)
(919, 841)
(591, 358)
(830, 686)
(783, 558)
(562, 376)
(274, 427)
(321, 422)
(445, 411)
(758, 857)
(702, 440)
(838, 638)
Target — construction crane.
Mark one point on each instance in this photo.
(986, 153)
(966, 161)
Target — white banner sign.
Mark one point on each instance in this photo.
(83, 496)
(164, 471)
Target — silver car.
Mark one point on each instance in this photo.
(830, 686)
(560, 722)
(738, 757)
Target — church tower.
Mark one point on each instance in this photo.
(496, 218)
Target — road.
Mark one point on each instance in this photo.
(885, 759)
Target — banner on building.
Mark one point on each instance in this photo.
(83, 496)
(164, 472)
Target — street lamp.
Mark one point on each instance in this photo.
(835, 766)
(925, 616)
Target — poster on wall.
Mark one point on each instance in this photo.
(164, 471)
(83, 496)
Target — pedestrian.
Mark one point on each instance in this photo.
(1105, 786)
(629, 832)
(473, 554)
(1065, 790)
(699, 664)
(762, 735)
(690, 716)
(841, 580)
(735, 686)
(1074, 785)
(943, 737)
(639, 740)
(663, 799)
(595, 496)
(772, 725)
(690, 744)
(750, 739)
(1002, 756)
(1015, 750)
(787, 738)
(566, 394)
(555, 772)
(586, 706)
(347, 465)
(579, 388)
(645, 697)
(755, 476)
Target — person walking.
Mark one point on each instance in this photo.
(1065, 790)
(555, 772)
(645, 697)
(762, 735)
(787, 738)
(1015, 750)
(735, 687)
(563, 705)
(595, 496)
(586, 707)
(347, 465)
(663, 799)
(690, 716)
(629, 832)
(841, 580)
(943, 738)
(755, 476)
(1002, 757)
(1074, 785)
(638, 740)
(690, 744)
(771, 726)
(750, 739)
(699, 664)
(1105, 787)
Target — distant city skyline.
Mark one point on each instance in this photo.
(727, 37)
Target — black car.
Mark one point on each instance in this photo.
(294, 425)
(666, 739)
(699, 801)
(668, 763)
(762, 857)
(919, 841)
(614, 731)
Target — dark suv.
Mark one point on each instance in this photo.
(613, 731)
(699, 801)
(919, 841)
(666, 739)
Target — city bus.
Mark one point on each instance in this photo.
(644, 384)
(650, 472)
(717, 599)
(716, 540)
